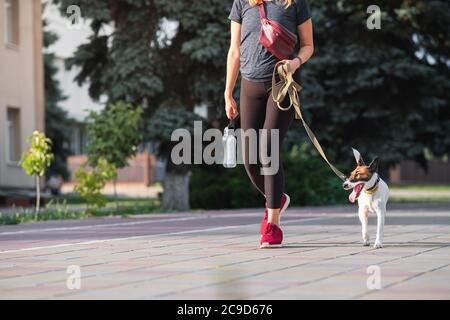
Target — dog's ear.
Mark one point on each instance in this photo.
(358, 157)
(373, 166)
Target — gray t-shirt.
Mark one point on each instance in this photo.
(256, 62)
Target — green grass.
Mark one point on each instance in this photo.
(421, 187)
(419, 193)
(27, 215)
(418, 199)
(74, 199)
(61, 209)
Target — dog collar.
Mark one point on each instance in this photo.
(373, 188)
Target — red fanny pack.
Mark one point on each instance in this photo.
(275, 37)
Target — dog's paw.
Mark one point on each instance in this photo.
(366, 243)
(378, 245)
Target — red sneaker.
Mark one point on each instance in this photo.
(272, 237)
(285, 200)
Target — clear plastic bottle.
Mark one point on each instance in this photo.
(229, 148)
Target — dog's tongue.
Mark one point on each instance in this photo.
(355, 193)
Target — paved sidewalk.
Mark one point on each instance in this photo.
(214, 255)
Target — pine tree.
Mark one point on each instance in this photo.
(140, 64)
(383, 91)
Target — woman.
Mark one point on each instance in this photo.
(257, 108)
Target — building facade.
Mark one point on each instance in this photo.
(21, 86)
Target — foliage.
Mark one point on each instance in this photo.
(143, 61)
(213, 187)
(91, 182)
(310, 182)
(113, 134)
(124, 65)
(56, 210)
(358, 81)
(36, 160)
(161, 126)
(196, 66)
(39, 156)
(386, 91)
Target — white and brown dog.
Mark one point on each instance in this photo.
(372, 194)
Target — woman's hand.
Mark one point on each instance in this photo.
(294, 64)
(231, 107)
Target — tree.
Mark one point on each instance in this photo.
(57, 121)
(91, 183)
(126, 64)
(160, 128)
(36, 160)
(113, 135)
(384, 91)
(141, 63)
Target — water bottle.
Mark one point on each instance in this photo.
(229, 144)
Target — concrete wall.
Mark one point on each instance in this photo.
(140, 169)
(21, 86)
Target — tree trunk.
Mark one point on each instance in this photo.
(176, 191)
(38, 197)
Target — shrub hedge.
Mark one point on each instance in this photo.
(309, 181)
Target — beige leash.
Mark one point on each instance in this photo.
(287, 86)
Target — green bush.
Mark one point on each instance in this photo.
(90, 183)
(309, 181)
(214, 187)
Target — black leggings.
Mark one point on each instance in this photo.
(259, 111)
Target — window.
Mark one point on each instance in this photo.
(79, 140)
(12, 21)
(13, 147)
(75, 141)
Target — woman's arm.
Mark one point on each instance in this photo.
(232, 70)
(305, 32)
